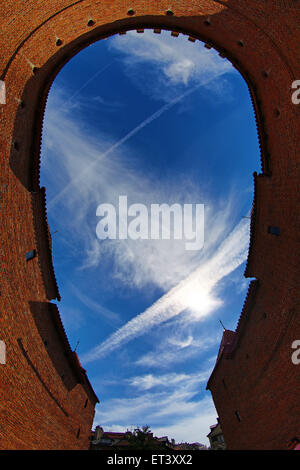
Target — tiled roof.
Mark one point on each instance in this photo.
(78, 370)
(114, 435)
(123, 443)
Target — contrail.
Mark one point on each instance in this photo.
(99, 72)
(124, 139)
(231, 253)
(111, 317)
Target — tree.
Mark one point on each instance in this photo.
(142, 439)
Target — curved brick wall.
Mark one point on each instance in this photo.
(45, 396)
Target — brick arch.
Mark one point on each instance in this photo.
(37, 39)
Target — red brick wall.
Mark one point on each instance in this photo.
(37, 410)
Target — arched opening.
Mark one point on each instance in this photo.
(160, 119)
(48, 36)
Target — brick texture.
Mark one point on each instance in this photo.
(45, 396)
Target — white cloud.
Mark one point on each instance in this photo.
(92, 170)
(141, 263)
(195, 293)
(181, 343)
(193, 428)
(176, 63)
(148, 381)
(189, 416)
(174, 351)
(68, 134)
(109, 105)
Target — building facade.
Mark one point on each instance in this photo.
(216, 438)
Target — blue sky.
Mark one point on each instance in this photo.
(160, 120)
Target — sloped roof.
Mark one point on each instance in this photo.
(75, 364)
(230, 339)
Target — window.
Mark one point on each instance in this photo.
(274, 230)
(218, 438)
(30, 255)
